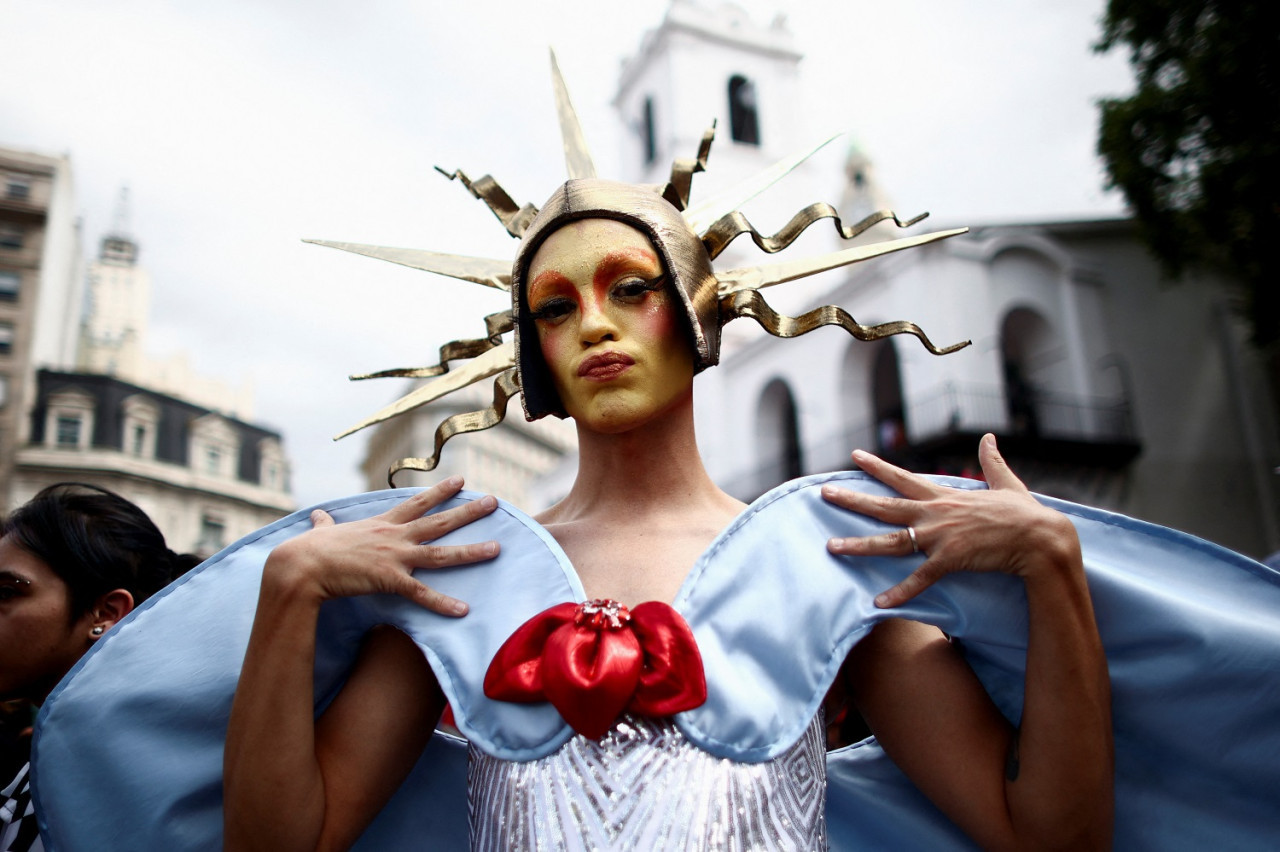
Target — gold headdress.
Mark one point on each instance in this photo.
(687, 238)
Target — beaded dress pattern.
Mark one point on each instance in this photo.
(645, 786)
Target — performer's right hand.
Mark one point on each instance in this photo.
(378, 555)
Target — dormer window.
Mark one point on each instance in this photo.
(215, 447)
(69, 419)
(140, 418)
(744, 123)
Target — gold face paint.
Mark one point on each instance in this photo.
(609, 332)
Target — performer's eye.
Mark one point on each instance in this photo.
(632, 290)
(552, 310)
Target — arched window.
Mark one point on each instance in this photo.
(1031, 356)
(778, 431)
(886, 400)
(650, 134)
(857, 408)
(744, 123)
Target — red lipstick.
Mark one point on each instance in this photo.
(604, 366)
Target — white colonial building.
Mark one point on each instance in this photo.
(1105, 383)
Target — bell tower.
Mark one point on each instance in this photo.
(703, 64)
(707, 62)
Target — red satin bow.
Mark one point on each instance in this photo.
(595, 660)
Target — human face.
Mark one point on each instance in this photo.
(608, 328)
(39, 641)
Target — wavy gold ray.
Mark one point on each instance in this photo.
(577, 157)
(505, 386)
(733, 225)
(683, 169)
(755, 277)
(701, 216)
(478, 270)
(750, 303)
(513, 217)
(495, 360)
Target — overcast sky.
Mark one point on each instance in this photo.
(242, 127)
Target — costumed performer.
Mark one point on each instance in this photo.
(616, 307)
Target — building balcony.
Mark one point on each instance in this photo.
(1046, 427)
(940, 432)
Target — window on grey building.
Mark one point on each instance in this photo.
(68, 434)
(213, 460)
(744, 123)
(6, 338)
(10, 237)
(138, 440)
(10, 284)
(17, 188)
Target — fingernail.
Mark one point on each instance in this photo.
(454, 482)
(491, 548)
(835, 543)
(882, 600)
(458, 608)
(488, 502)
(828, 491)
(861, 456)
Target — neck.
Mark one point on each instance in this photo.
(652, 469)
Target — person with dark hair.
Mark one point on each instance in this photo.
(74, 560)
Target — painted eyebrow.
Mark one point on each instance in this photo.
(629, 259)
(608, 265)
(547, 278)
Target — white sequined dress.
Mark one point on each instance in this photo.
(645, 786)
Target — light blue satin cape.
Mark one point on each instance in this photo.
(128, 749)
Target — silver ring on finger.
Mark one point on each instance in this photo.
(915, 542)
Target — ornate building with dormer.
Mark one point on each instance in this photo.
(180, 446)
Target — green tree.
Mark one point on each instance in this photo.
(1196, 148)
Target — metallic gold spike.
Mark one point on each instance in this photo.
(755, 277)
(701, 216)
(491, 362)
(496, 325)
(577, 157)
(479, 270)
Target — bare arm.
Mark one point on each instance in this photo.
(291, 782)
(1047, 784)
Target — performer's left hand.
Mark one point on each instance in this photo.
(1003, 528)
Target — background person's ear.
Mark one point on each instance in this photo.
(109, 609)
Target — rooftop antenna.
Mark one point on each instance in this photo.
(117, 244)
(120, 219)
